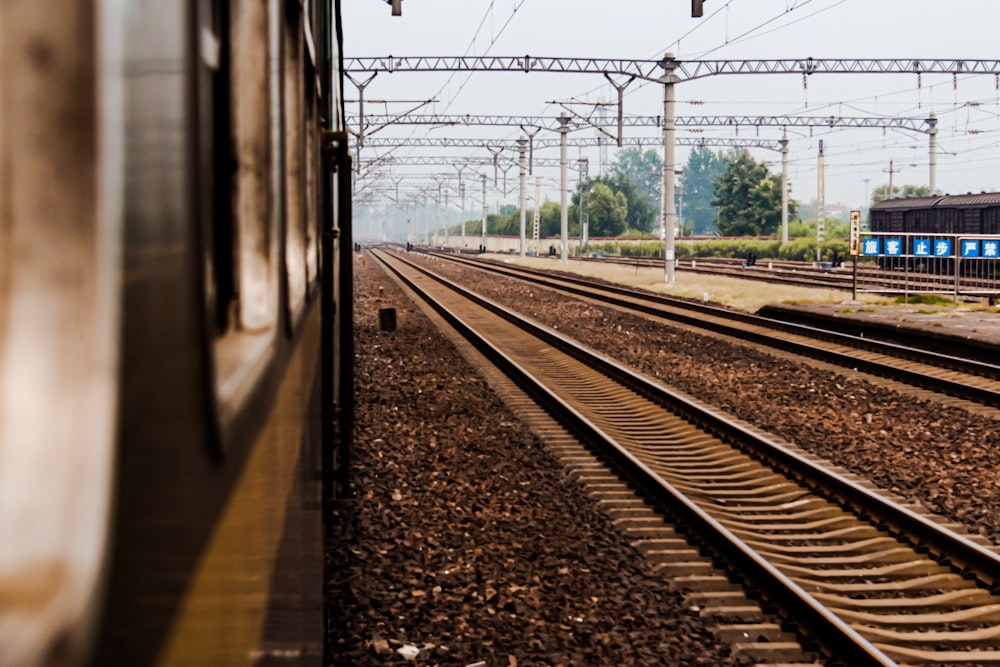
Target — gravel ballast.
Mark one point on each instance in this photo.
(465, 542)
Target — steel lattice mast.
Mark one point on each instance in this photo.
(684, 70)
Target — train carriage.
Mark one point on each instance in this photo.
(945, 214)
(174, 329)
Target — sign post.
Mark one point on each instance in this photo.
(855, 251)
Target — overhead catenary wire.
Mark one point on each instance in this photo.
(884, 105)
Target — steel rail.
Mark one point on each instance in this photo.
(653, 304)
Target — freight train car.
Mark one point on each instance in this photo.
(969, 214)
(174, 329)
(946, 222)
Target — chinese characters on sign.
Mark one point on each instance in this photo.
(931, 248)
(870, 246)
(855, 233)
(893, 246)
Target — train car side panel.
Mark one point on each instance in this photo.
(59, 229)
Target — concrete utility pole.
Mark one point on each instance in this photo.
(447, 217)
(564, 212)
(820, 203)
(537, 218)
(583, 210)
(483, 176)
(461, 193)
(932, 132)
(784, 188)
(423, 218)
(395, 210)
(437, 215)
(892, 194)
(522, 146)
(669, 79)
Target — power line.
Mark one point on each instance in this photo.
(739, 38)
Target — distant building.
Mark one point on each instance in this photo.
(838, 212)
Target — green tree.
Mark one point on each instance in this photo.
(748, 197)
(644, 169)
(503, 224)
(608, 210)
(640, 215)
(643, 209)
(549, 220)
(881, 192)
(703, 169)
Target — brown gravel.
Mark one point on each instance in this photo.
(945, 458)
(465, 543)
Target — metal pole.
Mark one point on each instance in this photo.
(447, 217)
(484, 211)
(854, 279)
(820, 203)
(461, 192)
(583, 210)
(564, 211)
(437, 215)
(932, 133)
(669, 210)
(537, 217)
(784, 188)
(522, 145)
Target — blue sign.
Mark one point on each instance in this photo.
(991, 248)
(894, 247)
(970, 248)
(942, 248)
(870, 246)
(921, 247)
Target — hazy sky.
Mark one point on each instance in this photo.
(968, 109)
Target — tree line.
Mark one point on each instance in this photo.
(719, 193)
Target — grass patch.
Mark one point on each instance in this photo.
(921, 311)
(866, 310)
(926, 299)
(847, 310)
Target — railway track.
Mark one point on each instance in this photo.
(871, 581)
(870, 279)
(953, 376)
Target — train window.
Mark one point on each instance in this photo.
(295, 165)
(246, 158)
(312, 182)
(212, 166)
